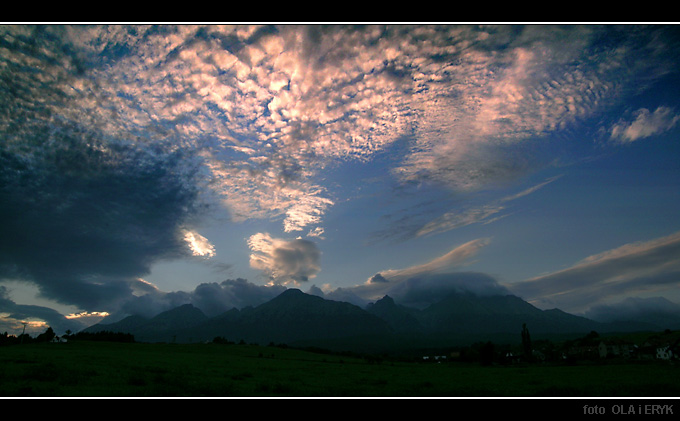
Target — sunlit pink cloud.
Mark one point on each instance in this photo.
(261, 99)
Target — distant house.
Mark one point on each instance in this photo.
(664, 353)
(58, 339)
(586, 351)
(614, 347)
(510, 358)
(537, 355)
(660, 347)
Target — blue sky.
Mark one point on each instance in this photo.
(146, 166)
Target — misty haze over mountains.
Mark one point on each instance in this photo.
(300, 319)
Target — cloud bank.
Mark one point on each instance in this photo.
(425, 283)
(646, 267)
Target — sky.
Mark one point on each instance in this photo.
(148, 166)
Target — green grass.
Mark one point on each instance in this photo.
(98, 369)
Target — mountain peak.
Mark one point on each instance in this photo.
(382, 304)
(386, 300)
(292, 292)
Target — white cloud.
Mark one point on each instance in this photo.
(645, 124)
(199, 245)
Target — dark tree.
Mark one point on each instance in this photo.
(526, 342)
(487, 353)
(46, 336)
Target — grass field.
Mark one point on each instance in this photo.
(103, 369)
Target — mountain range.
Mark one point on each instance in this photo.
(296, 318)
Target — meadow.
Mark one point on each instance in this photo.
(109, 369)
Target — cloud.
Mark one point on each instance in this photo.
(422, 290)
(457, 256)
(389, 282)
(477, 214)
(199, 245)
(645, 124)
(510, 85)
(531, 189)
(284, 261)
(635, 308)
(215, 298)
(267, 109)
(645, 267)
(13, 316)
(83, 221)
(453, 220)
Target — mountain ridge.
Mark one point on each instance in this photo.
(299, 319)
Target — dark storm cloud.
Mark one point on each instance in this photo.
(83, 219)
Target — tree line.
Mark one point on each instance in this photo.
(49, 335)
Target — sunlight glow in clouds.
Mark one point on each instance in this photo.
(97, 315)
(199, 245)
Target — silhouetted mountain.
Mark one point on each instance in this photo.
(655, 311)
(294, 316)
(468, 313)
(126, 325)
(291, 317)
(300, 319)
(161, 328)
(401, 319)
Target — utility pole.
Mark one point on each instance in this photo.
(24, 331)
